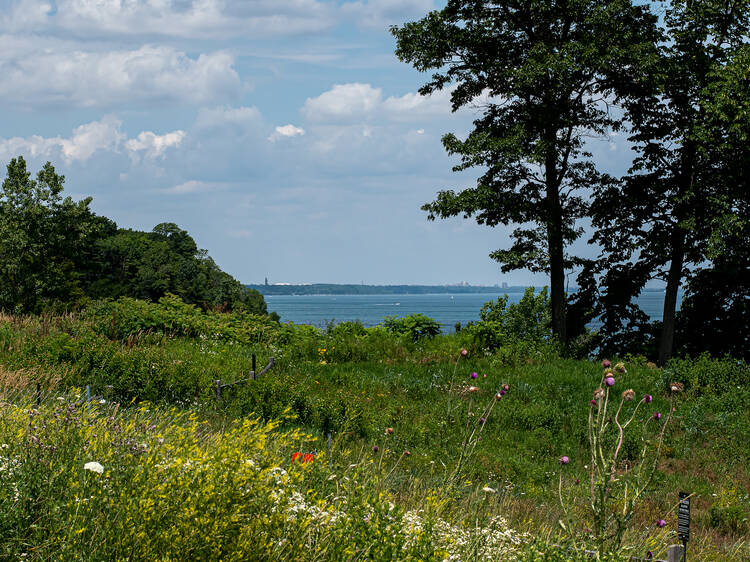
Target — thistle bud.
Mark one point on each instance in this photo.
(676, 386)
(473, 389)
(628, 394)
(620, 368)
(599, 393)
(606, 364)
(389, 431)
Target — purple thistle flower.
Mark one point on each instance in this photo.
(474, 375)
(481, 421)
(592, 402)
(661, 523)
(564, 460)
(375, 448)
(502, 392)
(657, 416)
(484, 375)
(578, 481)
(609, 381)
(648, 398)
(464, 353)
(606, 364)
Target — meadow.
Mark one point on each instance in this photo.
(392, 442)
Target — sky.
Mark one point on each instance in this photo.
(283, 135)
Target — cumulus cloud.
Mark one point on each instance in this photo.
(88, 139)
(343, 102)
(173, 18)
(286, 131)
(356, 102)
(153, 145)
(147, 74)
(380, 14)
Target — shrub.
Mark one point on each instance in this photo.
(414, 326)
(705, 374)
(502, 323)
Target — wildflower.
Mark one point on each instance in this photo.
(578, 481)
(93, 467)
(620, 368)
(375, 448)
(482, 420)
(657, 416)
(628, 394)
(484, 375)
(474, 375)
(599, 393)
(661, 523)
(675, 386)
(648, 398)
(564, 460)
(606, 364)
(593, 402)
(502, 391)
(407, 453)
(473, 389)
(489, 490)
(609, 381)
(464, 353)
(389, 431)
(498, 396)
(506, 387)
(309, 457)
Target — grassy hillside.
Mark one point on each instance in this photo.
(423, 461)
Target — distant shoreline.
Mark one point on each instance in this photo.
(336, 289)
(352, 289)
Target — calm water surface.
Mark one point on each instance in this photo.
(447, 309)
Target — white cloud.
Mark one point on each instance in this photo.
(81, 145)
(173, 18)
(343, 102)
(83, 78)
(286, 131)
(153, 145)
(87, 139)
(356, 102)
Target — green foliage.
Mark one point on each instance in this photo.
(728, 514)
(543, 67)
(502, 324)
(706, 375)
(56, 254)
(414, 326)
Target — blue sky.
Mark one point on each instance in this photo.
(284, 135)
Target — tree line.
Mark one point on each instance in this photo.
(546, 76)
(56, 254)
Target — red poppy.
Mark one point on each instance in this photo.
(303, 457)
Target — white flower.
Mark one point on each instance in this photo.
(489, 490)
(93, 467)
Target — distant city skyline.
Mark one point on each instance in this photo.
(283, 135)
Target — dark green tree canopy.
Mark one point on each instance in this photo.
(546, 72)
(55, 252)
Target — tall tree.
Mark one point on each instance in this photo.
(547, 70)
(680, 189)
(43, 239)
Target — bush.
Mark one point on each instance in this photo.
(502, 324)
(414, 326)
(704, 374)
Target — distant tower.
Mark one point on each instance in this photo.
(266, 281)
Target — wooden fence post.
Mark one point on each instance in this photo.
(675, 553)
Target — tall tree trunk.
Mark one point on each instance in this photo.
(666, 342)
(555, 245)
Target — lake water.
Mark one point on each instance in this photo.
(447, 309)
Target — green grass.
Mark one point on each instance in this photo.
(355, 383)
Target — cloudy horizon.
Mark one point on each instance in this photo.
(283, 135)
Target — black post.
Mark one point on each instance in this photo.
(683, 522)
